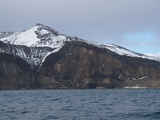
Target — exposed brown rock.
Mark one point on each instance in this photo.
(79, 65)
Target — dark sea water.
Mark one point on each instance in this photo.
(95, 104)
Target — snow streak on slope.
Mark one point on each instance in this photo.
(32, 55)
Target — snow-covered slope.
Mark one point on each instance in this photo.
(35, 44)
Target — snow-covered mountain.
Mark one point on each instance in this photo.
(36, 43)
(37, 36)
(59, 61)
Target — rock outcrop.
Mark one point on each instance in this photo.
(80, 65)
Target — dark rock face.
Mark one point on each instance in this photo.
(15, 73)
(79, 65)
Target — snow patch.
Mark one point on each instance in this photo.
(141, 78)
(52, 42)
(27, 38)
(135, 87)
(43, 31)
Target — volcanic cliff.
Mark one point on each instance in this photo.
(42, 58)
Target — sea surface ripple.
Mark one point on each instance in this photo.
(92, 104)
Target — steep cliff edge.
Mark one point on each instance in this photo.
(15, 73)
(80, 65)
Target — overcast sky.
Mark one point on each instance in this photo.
(133, 24)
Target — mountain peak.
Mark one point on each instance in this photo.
(41, 27)
(39, 24)
(39, 35)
